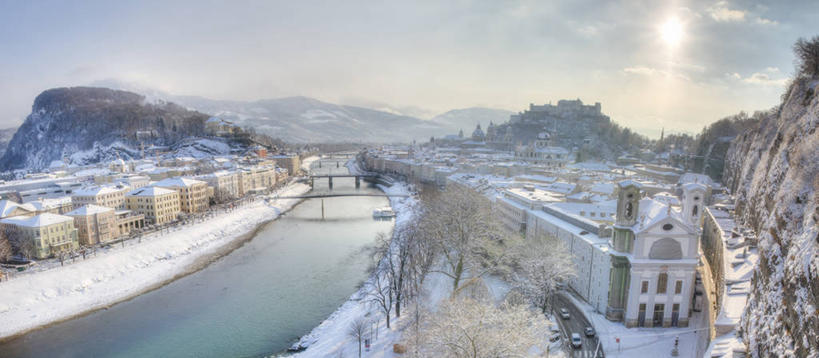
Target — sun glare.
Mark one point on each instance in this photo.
(672, 32)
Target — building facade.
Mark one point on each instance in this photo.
(158, 205)
(193, 194)
(48, 234)
(95, 224)
(654, 261)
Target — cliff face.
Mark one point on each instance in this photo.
(774, 171)
(88, 124)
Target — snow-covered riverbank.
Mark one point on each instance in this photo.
(330, 337)
(36, 299)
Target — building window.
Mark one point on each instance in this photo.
(678, 287)
(644, 289)
(662, 281)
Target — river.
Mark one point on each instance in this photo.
(253, 302)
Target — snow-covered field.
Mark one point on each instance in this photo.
(41, 297)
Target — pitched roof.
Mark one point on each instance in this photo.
(89, 210)
(41, 220)
(94, 191)
(7, 207)
(178, 182)
(150, 191)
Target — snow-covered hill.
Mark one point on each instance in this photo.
(86, 125)
(774, 171)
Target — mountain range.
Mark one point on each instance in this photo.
(303, 119)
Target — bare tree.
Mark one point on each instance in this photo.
(19, 243)
(464, 327)
(357, 331)
(5, 249)
(543, 265)
(380, 291)
(461, 225)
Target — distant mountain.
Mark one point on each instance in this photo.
(468, 118)
(86, 124)
(5, 138)
(304, 119)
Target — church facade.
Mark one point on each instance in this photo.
(654, 258)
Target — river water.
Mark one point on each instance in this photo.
(253, 302)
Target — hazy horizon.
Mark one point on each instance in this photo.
(676, 65)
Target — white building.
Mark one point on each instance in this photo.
(654, 259)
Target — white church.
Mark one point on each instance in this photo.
(654, 257)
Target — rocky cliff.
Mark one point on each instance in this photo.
(87, 124)
(774, 171)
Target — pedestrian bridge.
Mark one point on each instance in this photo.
(358, 177)
(334, 195)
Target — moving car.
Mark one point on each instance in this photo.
(564, 313)
(589, 331)
(576, 341)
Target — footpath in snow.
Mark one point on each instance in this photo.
(31, 300)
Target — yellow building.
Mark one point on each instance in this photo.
(95, 224)
(193, 194)
(107, 196)
(47, 233)
(158, 205)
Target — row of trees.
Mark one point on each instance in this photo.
(456, 234)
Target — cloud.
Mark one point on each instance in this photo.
(721, 13)
(759, 78)
(653, 72)
(764, 21)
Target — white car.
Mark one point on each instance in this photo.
(564, 313)
(576, 341)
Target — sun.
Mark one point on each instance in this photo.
(672, 32)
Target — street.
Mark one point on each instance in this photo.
(575, 324)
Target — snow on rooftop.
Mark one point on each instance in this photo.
(41, 220)
(178, 182)
(150, 191)
(95, 191)
(89, 210)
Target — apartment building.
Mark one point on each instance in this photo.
(193, 194)
(95, 224)
(46, 234)
(158, 205)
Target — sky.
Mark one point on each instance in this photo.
(677, 65)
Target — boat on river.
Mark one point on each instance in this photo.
(385, 212)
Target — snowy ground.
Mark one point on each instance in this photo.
(642, 342)
(41, 297)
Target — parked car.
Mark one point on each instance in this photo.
(564, 313)
(589, 332)
(554, 328)
(554, 337)
(576, 341)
